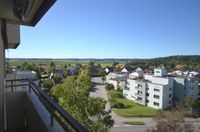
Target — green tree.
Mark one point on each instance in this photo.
(99, 65)
(65, 66)
(91, 63)
(78, 65)
(172, 121)
(109, 86)
(189, 104)
(24, 64)
(115, 63)
(73, 96)
(57, 78)
(48, 84)
(172, 65)
(52, 64)
(103, 79)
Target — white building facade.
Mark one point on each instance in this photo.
(185, 87)
(158, 91)
(117, 80)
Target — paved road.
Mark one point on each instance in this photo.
(99, 91)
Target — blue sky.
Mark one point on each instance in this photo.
(113, 29)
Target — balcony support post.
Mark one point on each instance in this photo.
(2, 75)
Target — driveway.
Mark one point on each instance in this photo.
(99, 91)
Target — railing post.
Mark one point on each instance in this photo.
(52, 118)
(11, 86)
(2, 73)
(29, 88)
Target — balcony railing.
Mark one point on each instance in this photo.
(139, 94)
(138, 101)
(138, 88)
(57, 113)
(127, 88)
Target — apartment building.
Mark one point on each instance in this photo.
(155, 91)
(159, 90)
(135, 90)
(185, 87)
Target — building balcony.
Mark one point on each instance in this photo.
(138, 94)
(138, 88)
(139, 101)
(127, 88)
(29, 109)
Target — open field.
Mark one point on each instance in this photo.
(58, 61)
(134, 110)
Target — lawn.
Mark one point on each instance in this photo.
(133, 110)
(134, 123)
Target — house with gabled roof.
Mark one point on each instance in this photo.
(109, 70)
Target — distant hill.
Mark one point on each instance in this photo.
(182, 58)
(177, 58)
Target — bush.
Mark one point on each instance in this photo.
(109, 86)
(114, 103)
(118, 105)
(48, 84)
(115, 94)
(119, 89)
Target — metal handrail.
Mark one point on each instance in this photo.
(52, 106)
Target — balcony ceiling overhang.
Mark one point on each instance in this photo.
(24, 12)
(13, 36)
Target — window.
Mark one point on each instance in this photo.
(170, 102)
(156, 96)
(155, 103)
(170, 95)
(157, 90)
(139, 99)
(139, 93)
(128, 83)
(126, 95)
(170, 89)
(127, 88)
(147, 94)
(157, 71)
(147, 101)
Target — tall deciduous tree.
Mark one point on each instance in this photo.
(172, 121)
(115, 63)
(91, 63)
(73, 96)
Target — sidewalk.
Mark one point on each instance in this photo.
(148, 121)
